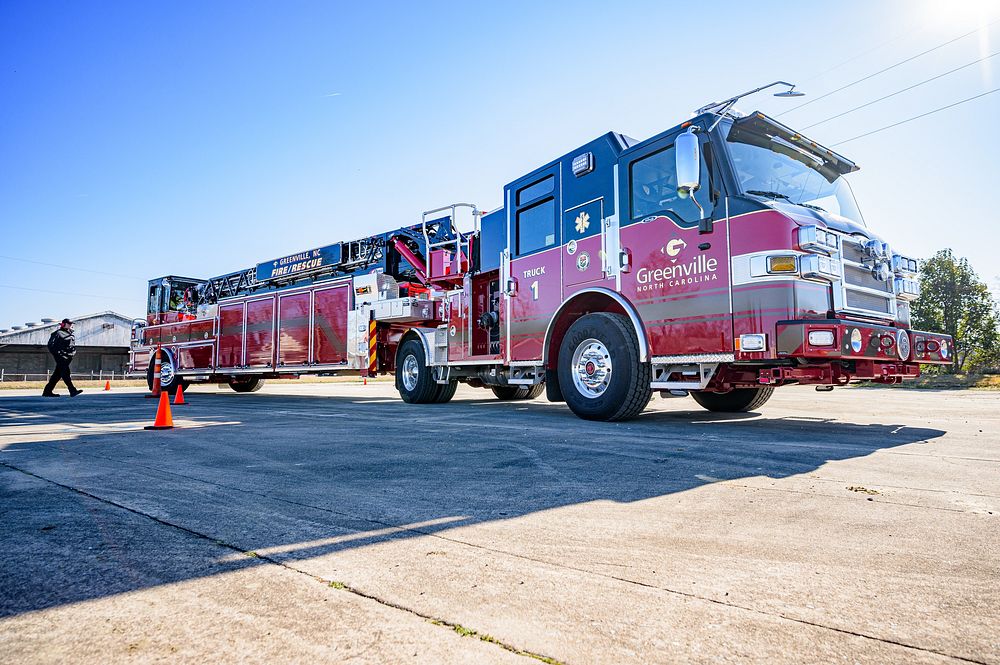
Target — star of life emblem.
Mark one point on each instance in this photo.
(582, 222)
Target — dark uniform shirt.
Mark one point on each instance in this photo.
(62, 344)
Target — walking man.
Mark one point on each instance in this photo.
(62, 346)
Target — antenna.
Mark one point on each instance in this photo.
(723, 107)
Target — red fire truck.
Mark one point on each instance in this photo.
(719, 259)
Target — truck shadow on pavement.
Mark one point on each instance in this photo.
(299, 477)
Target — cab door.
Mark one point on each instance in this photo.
(534, 290)
(583, 256)
(679, 277)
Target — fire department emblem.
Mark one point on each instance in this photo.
(571, 247)
(674, 247)
(583, 261)
(582, 222)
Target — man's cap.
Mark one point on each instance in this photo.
(67, 321)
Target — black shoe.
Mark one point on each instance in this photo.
(49, 395)
(74, 393)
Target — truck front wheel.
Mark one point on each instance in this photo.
(168, 377)
(600, 374)
(736, 400)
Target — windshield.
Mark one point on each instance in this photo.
(785, 172)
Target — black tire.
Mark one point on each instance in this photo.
(510, 393)
(735, 401)
(626, 392)
(411, 367)
(171, 386)
(250, 385)
(445, 392)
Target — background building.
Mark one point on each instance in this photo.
(102, 344)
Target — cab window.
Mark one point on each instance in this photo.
(536, 227)
(654, 189)
(535, 218)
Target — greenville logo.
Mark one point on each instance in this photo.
(698, 270)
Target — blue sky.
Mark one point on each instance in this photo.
(141, 139)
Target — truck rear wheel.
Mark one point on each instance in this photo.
(510, 393)
(445, 392)
(250, 385)
(600, 374)
(736, 400)
(413, 377)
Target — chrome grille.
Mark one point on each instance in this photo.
(862, 276)
(869, 301)
(852, 251)
(860, 292)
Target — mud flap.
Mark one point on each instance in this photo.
(553, 392)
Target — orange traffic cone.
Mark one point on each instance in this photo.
(107, 385)
(156, 374)
(179, 395)
(163, 418)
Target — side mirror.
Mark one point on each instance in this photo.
(687, 152)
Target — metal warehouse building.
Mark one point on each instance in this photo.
(102, 344)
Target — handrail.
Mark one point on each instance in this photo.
(461, 240)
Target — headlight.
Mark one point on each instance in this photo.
(876, 249)
(814, 266)
(881, 272)
(811, 237)
(821, 337)
(907, 289)
(902, 265)
(753, 342)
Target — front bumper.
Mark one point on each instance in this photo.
(854, 340)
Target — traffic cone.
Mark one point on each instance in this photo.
(156, 374)
(179, 395)
(107, 386)
(163, 418)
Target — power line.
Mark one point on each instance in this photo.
(64, 293)
(58, 265)
(882, 71)
(859, 55)
(916, 117)
(898, 92)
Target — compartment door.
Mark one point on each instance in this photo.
(260, 333)
(293, 329)
(231, 335)
(330, 307)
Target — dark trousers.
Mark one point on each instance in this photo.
(61, 372)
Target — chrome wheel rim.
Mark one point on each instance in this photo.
(411, 371)
(166, 373)
(591, 368)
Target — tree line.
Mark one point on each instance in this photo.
(954, 300)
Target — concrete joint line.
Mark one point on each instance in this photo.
(456, 541)
(458, 628)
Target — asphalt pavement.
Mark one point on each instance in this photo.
(334, 523)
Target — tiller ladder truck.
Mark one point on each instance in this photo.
(720, 259)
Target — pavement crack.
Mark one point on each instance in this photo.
(333, 584)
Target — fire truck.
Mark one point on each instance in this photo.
(719, 259)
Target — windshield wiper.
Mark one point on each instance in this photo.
(770, 195)
(779, 195)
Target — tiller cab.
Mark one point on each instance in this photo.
(719, 259)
